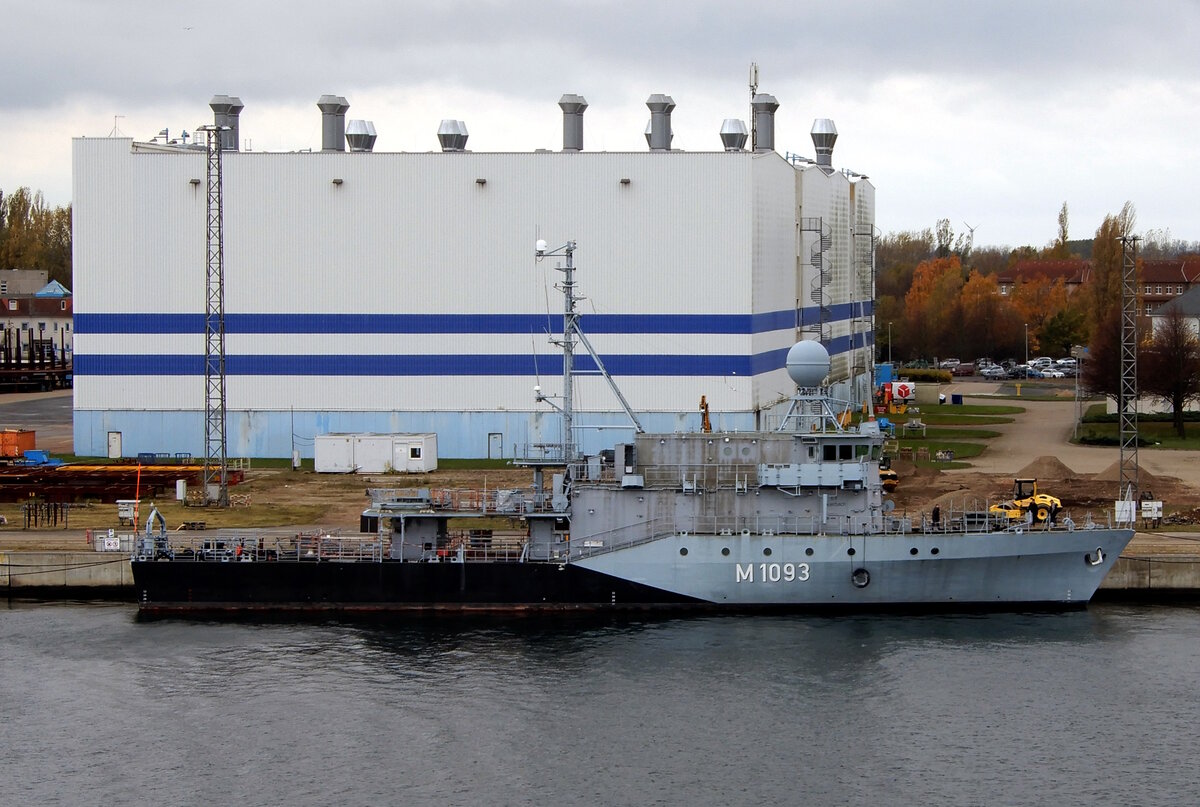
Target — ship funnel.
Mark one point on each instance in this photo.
(333, 122)
(733, 135)
(452, 134)
(660, 133)
(226, 109)
(573, 107)
(764, 121)
(360, 135)
(824, 135)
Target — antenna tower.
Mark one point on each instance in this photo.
(753, 120)
(1127, 400)
(216, 480)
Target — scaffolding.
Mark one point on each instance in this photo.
(1128, 398)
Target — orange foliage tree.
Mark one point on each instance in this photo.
(933, 306)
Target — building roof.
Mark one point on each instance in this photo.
(1187, 304)
(53, 289)
(1068, 270)
(1171, 270)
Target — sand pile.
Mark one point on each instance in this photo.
(1047, 467)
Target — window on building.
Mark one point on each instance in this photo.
(1148, 308)
(414, 452)
(1179, 289)
(62, 305)
(1147, 288)
(1158, 289)
(12, 305)
(3, 287)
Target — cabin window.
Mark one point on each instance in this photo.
(861, 451)
(846, 451)
(414, 452)
(830, 452)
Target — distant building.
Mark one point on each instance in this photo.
(1074, 273)
(1187, 304)
(38, 323)
(1166, 279)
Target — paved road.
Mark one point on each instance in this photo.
(1045, 430)
(47, 413)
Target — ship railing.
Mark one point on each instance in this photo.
(976, 516)
(623, 537)
(475, 546)
(300, 547)
(495, 501)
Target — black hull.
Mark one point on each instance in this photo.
(177, 587)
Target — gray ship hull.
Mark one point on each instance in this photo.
(985, 569)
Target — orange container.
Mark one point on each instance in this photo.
(15, 442)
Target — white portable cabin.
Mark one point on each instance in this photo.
(375, 453)
(334, 454)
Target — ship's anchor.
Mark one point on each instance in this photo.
(1096, 559)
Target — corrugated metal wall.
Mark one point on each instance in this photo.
(411, 285)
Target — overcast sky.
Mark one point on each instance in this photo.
(985, 113)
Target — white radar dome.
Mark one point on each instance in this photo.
(808, 363)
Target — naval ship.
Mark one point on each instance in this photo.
(795, 518)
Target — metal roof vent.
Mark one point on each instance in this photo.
(660, 133)
(573, 107)
(452, 134)
(333, 122)
(226, 109)
(360, 135)
(734, 134)
(824, 135)
(764, 106)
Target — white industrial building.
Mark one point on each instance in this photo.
(400, 292)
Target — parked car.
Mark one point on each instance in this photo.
(966, 368)
(1051, 372)
(949, 364)
(994, 373)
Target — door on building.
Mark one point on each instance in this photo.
(495, 445)
(114, 445)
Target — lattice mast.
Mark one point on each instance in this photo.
(216, 480)
(1128, 398)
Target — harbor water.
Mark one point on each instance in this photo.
(1088, 707)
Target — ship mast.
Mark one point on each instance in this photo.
(571, 333)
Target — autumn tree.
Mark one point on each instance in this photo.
(1035, 301)
(1172, 365)
(1104, 291)
(1059, 249)
(933, 306)
(34, 236)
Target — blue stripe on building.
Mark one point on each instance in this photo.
(484, 324)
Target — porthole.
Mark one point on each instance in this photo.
(683, 550)
(933, 551)
(912, 551)
(808, 551)
(767, 551)
(725, 551)
(850, 551)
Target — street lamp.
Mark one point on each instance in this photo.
(889, 343)
(1026, 347)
